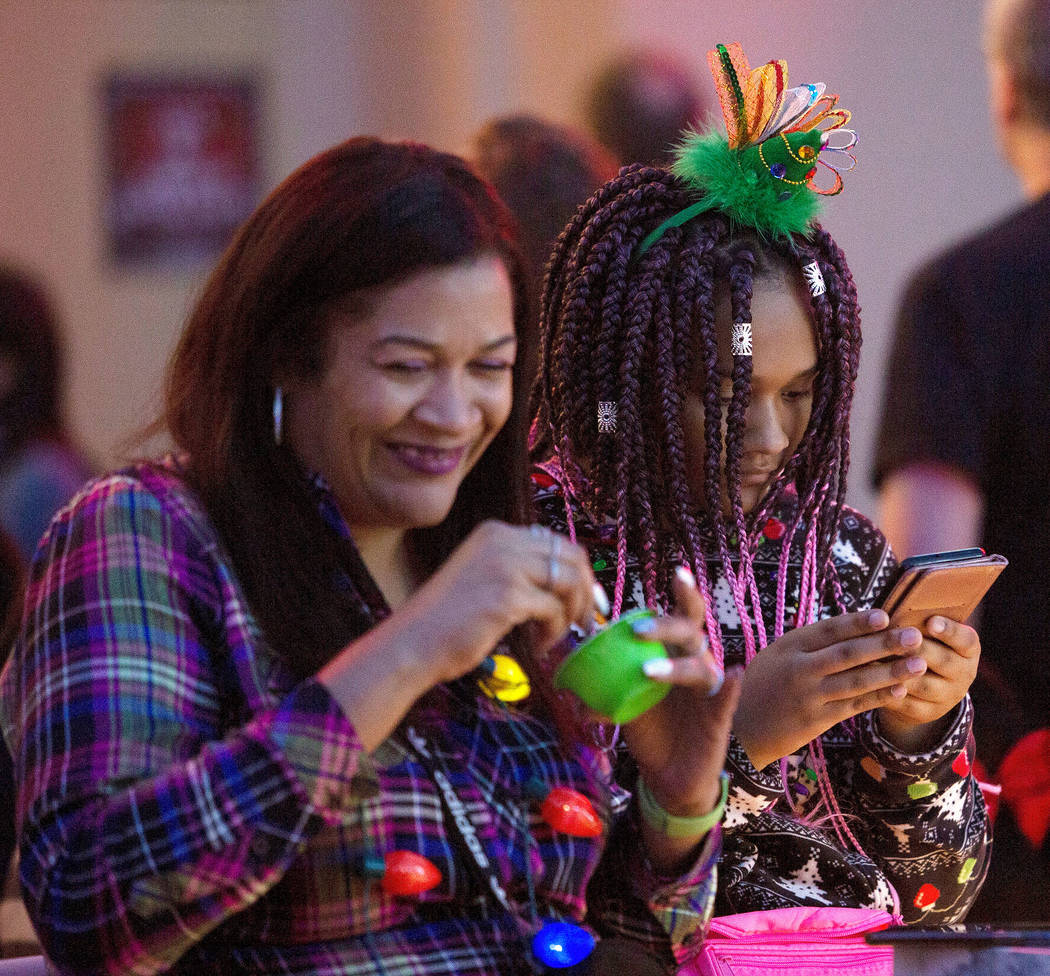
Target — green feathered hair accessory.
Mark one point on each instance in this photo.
(761, 172)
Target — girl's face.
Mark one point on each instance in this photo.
(784, 366)
(412, 393)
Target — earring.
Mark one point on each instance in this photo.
(278, 416)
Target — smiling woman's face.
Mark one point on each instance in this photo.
(411, 394)
(784, 366)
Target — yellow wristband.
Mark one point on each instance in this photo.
(659, 819)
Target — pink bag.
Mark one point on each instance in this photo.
(795, 942)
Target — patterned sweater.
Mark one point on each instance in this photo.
(920, 819)
(187, 805)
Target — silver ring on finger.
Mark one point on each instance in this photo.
(553, 562)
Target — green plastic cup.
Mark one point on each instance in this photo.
(605, 671)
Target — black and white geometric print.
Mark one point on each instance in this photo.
(920, 820)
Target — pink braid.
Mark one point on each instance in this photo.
(782, 573)
(621, 559)
(714, 631)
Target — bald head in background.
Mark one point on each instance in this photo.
(961, 457)
(1017, 51)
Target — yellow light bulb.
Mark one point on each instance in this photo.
(505, 680)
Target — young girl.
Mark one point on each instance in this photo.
(701, 337)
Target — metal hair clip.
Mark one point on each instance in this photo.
(742, 339)
(814, 279)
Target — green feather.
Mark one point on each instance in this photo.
(737, 182)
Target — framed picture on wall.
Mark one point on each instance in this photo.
(182, 166)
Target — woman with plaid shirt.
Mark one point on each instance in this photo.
(246, 680)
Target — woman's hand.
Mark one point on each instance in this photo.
(680, 743)
(951, 651)
(816, 676)
(498, 577)
(501, 576)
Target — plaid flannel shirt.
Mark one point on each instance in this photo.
(185, 804)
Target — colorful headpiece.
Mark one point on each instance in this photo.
(762, 171)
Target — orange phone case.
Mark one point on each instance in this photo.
(949, 589)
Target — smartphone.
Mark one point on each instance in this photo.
(972, 935)
(949, 584)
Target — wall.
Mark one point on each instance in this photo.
(330, 68)
(53, 56)
(434, 70)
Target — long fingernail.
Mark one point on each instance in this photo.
(646, 626)
(658, 667)
(685, 574)
(601, 601)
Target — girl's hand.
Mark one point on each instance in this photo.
(816, 676)
(951, 651)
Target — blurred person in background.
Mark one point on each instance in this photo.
(639, 102)
(962, 454)
(543, 172)
(40, 467)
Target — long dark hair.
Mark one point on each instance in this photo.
(362, 214)
(635, 330)
(29, 337)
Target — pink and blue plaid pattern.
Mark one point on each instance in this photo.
(187, 805)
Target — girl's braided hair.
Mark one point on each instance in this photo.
(635, 330)
(635, 326)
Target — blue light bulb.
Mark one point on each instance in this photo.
(562, 944)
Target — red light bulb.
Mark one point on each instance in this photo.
(408, 873)
(773, 529)
(571, 813)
